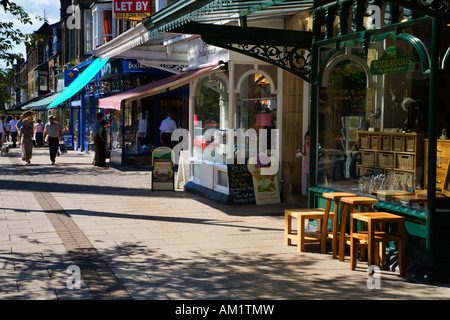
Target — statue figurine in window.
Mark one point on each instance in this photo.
(339, 158)
(355, 155)
(414, 114)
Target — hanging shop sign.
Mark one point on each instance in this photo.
(131, 9)
(393, 60)
(69, 76)
(162, 173)
(200, 53)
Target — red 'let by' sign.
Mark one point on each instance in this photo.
(131, 6)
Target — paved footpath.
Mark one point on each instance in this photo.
(131, 243)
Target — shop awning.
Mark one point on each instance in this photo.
(41, 103)
(83, 79)
(167, 84)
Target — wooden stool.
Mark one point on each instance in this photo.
(336, 197)
(371, 236)
(302, 237)
(349, 206)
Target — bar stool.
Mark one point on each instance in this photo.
(336, 197)
(302, 237)
(350, 205)
(372, 236)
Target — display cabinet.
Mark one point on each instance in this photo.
(397, 155)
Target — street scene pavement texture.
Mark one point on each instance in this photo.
(132, 243)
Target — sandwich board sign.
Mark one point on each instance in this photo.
(163, 169)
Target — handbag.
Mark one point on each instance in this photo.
(62, 148)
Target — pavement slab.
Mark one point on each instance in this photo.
(131, 243)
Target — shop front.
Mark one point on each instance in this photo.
(116, 76)
(380, 112)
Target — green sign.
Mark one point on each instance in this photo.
(392, 61)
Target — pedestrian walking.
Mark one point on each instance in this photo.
(102, 138)
(168, 126)
(39, 133)
(94, 128)
(6, 132)
(19, 126)
(53, 131)
(2, 130)
(13, 130)
(26, 131)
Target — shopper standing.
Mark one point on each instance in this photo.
(168, 126)
(54, 133)
(26, 131)
(102, 138)
(95, 128)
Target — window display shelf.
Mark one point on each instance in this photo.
(398, 155)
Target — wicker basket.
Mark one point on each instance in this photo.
(375, 142)
(397, 144)
(368, 158)
(410, 145)
(405, 161)
(364, 141)
(386, 143)
(385, 160)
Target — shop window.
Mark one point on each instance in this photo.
(210, 119)
(107, 26)
(256, 106)
(373, 122)
(115, 126)
(104, 25)
(43, 80)
(89, 41)
(138, 127)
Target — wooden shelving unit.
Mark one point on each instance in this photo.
(442, 162)
(398, 155)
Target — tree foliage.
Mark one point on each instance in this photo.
(10, 37)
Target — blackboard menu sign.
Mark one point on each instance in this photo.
(240, 185)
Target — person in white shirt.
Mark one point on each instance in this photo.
(13, 130)
(168, 126)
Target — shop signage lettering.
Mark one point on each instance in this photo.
(131, 9)
(392, 61)
(202, 53)
(69, 76)
(134, 66)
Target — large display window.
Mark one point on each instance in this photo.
(211, 119)
(372, 118)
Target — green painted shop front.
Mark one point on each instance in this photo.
(346, 52)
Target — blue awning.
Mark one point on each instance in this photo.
(83, 79)
(41, 103)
